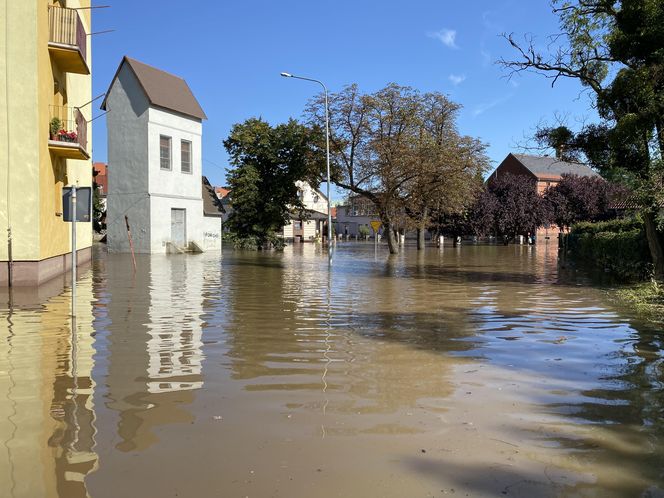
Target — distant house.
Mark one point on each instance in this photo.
(154, 127)
(356, 213)
(313, 224)
(213, 214)
(302, 227)
(101, 179)
(547, 171)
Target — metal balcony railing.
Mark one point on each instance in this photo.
(68, 125)
(66, 28)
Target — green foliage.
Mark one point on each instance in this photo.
(363, 231)
(254, 243)
(267, 162)
(617, 246)
(55, 126)
(615, 226)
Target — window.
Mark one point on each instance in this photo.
(185, 156)
(164, 152)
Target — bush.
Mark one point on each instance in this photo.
(253, 243)
(363, 231)
(615, 226)
(618, 246)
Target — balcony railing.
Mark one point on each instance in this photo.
(68, 132)
(67, 39)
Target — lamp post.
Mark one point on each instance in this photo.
(327, 150)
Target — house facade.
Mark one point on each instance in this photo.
(313, 226)
(546, 171)
(154, 155)
(358, 212)
(45, 133)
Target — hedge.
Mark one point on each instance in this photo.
(618, 247)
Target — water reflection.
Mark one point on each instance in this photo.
(48, 419)
(155, 343)
(487, 370)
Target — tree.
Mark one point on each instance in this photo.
(400, 149)
(578, 198)
(615, 48)
(267, 162)
(517, 207)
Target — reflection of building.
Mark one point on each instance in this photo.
(44, 134)
(47, 418)
(155, 345)
(154, 154)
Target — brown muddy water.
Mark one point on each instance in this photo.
(476, 371)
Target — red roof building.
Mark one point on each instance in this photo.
(101, 178)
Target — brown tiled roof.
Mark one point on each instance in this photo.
(545, 168)
(211, 203)
(101, 179)
(162, 89)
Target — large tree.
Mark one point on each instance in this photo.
(615, 48)
(579, 198)
(267, 162)
(517, 207)
(400, 149)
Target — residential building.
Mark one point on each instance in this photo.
(213, 217)
(45, 111)
(547, 171)
(356, 213)
(313, 225)
(100, 180)
(154, 126)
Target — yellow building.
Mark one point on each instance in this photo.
(45, 139)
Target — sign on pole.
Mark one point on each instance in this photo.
(76, 206)
(376, 226)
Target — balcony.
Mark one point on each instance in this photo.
(67, 40)
(68, 133)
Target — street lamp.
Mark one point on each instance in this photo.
(327, 150)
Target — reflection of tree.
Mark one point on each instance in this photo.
(362, 354)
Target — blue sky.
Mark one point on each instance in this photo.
(231, 54)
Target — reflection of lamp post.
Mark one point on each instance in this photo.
(327, 150)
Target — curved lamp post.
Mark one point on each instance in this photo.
(327, 150)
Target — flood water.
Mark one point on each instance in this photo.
(472, 371)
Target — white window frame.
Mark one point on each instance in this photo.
(191, 167)
(170, 153)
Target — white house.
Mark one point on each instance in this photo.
(154, 127)
(315, 224)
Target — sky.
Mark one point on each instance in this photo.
(231, 54)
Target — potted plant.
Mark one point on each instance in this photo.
(55, 127)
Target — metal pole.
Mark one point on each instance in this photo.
(327, 151)
(73, 251)
(329, 201)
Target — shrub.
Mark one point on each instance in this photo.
(615, 226)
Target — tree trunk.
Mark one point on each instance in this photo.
(392, 242)
(654, 244)
(420, 239)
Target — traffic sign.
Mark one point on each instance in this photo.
(376, 226)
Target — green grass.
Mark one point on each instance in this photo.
(646, 298)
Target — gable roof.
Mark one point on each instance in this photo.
(552, 167)
(162, 89)
(211, 204)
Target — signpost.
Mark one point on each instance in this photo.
(376, 226)
(75, 210)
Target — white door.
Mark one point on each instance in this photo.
(179, 227)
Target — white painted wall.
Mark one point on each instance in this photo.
(137, 186)
(211, 233)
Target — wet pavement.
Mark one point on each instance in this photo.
(471, 371)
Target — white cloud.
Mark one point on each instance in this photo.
(457, 79)
(482, 108)
(446, 36)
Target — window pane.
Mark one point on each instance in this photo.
(185, 160)
(164, 152)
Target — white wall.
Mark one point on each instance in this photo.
(211, 233)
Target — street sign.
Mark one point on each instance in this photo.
(83, 204)
(376, 226)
